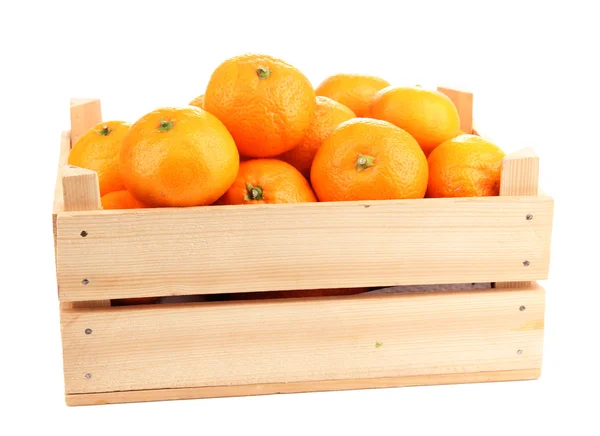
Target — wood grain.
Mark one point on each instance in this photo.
(301, 340)
(519, 177)
(58, 203)
(287, 388)
(85, 114)
(63, 158)
(520, 172)
(80, 189)
(81, 192)
(221, 249)
(464, 105)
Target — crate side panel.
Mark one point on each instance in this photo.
(340, 338)
(288, 388)
(222, 249)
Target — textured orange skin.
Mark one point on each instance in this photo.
(399, 169)
(352, 90)
(266, 117)
(120, 200)
(328, 115)
(198, 102)
(429, 116)
(101, 154)
(297, 294)
(465, 166)
(192, 164)
(279, 181)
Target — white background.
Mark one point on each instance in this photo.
(531, 68)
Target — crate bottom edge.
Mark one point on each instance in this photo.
(139, 396)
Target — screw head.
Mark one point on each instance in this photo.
(88, 376)
(529, 217)
(522, 308)
(83, 234)
(519, 351)
(526, 263)
(88, 331)
(85, 281)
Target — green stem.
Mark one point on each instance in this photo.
(165, 126)
(253, 192)
(104, 131)
(263, 73)
(363, 162)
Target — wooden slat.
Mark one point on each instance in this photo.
(301, 340)
(464, 105)
(65, 148)
(519, 177)
(58, 203)
(520, 173)
(220, 249)
(81, 191)
(85, 114)
(287, 388)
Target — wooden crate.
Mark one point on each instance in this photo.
(196, 350)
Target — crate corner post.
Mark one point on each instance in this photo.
(519, 177)
(81, 192)
(463, 100)
(85, 114)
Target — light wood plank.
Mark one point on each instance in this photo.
(58, 203)
(301, 340)
(221, 249)
(520, 173)
(81, 191)
(85, 114)
(287, 388)
(520, 177)
(464, 105)
(65, 148)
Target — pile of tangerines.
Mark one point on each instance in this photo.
(262, 134)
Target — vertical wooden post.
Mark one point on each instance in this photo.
(519, 177)
(85, 114)
(464, 105)
(65, 148)
(81, 190)
(80, 187)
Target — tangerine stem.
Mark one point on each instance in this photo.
(363, 162)
(105, 131)
(263, 73)
(165, 126)
(253, 192)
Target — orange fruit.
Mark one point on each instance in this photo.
(429, 116)
(198, 101)
(296, 294)
(266, 103)
(465, 166)
(352, 90)
(98, 150)
(268, 181)
(328, 115)
(365, 159)
(120, 200)
(178, 157)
